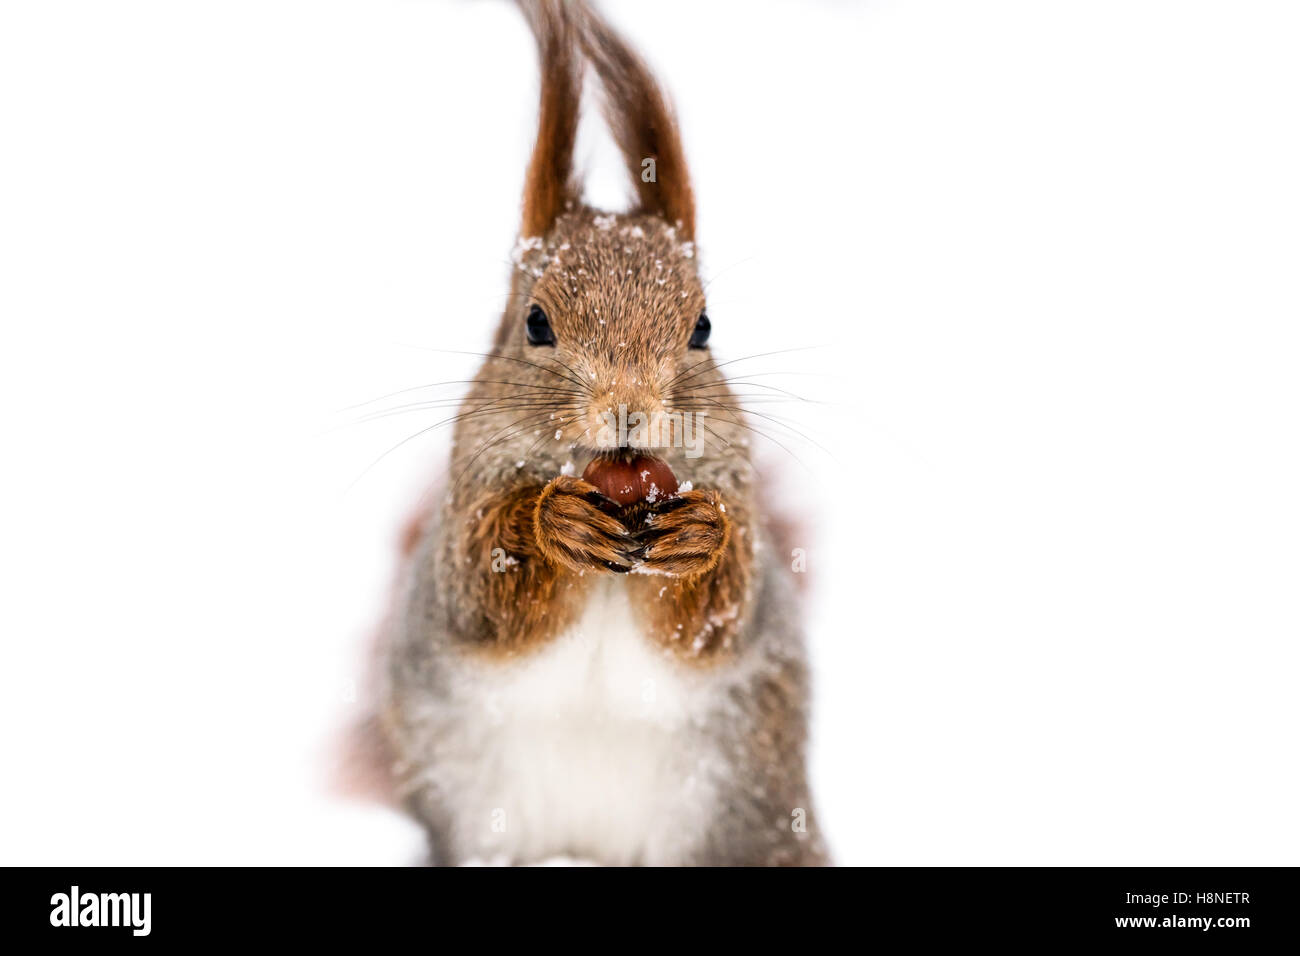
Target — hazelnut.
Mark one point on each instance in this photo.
(627, 481)
(657, 479)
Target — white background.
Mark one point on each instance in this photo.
(1046, 251)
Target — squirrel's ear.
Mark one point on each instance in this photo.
(642, 123)
(549, 185)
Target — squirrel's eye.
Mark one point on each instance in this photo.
(700, 337)
(539, 327)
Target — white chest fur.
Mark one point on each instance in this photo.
(588, 746)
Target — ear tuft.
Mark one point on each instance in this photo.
(642, 123)
(549, 186)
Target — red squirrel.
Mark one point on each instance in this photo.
(568, 673)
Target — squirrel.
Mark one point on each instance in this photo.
(565, 677)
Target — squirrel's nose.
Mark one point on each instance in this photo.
(629, 395)
(623, 416)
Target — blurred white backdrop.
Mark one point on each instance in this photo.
(1046, 250)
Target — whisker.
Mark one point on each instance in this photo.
(462, 381)
(744, 450)
(558, 426)
(780, 420)
(718, 406)
(528, 422)
(724, 270)
(743, 358)
(727, 383)
(571, 377)
(756, 398)
(763, 434)
(499, 405)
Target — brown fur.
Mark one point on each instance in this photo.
(708, 569)
(518, 543)
(618, 342)
(643, 126)
(550, 187)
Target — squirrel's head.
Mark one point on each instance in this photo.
(605, 341)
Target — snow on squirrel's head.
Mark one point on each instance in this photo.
(606, 315)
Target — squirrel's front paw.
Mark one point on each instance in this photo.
(684, 535)
(576, 529)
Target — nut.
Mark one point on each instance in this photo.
(626, 481)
